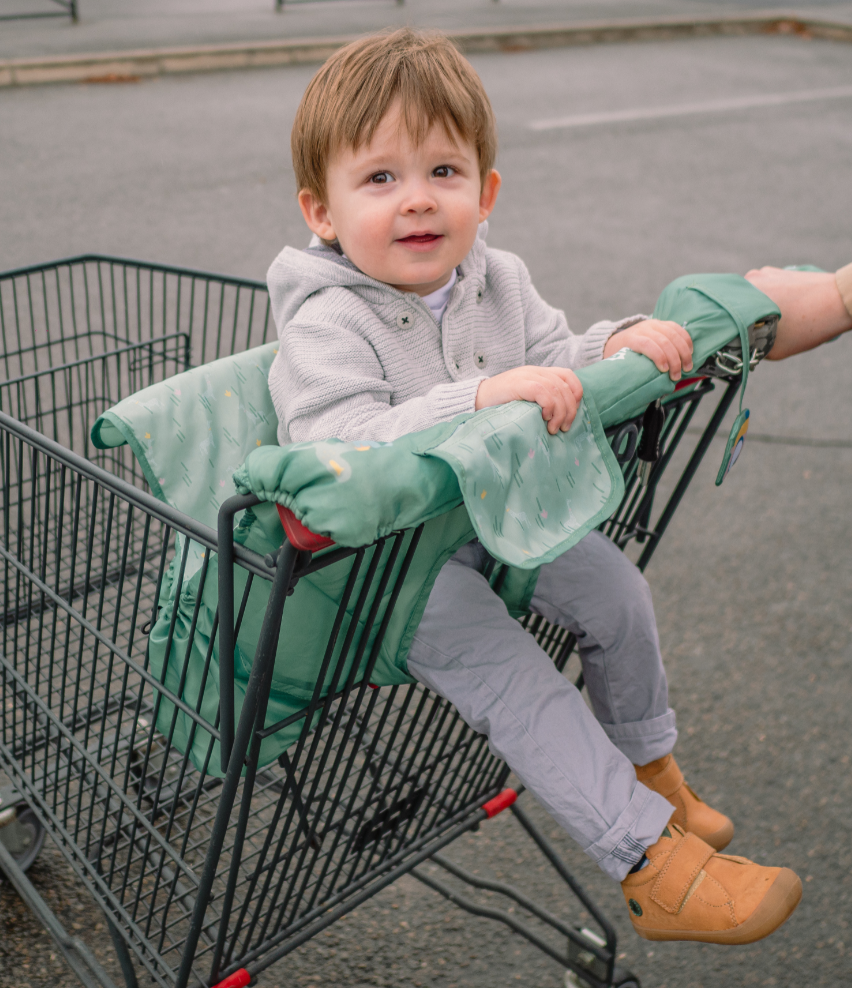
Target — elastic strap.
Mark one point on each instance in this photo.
(742, 330)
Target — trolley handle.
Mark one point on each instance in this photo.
(227, 637)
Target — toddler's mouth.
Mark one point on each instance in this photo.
(421, 241)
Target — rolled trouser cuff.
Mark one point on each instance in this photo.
(644, 741)
(638, 827)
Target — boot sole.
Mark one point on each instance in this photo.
(775, 908)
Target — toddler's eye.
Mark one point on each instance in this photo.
(381, 178)
(443, 171)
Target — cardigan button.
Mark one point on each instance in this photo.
(479, 295)
(405, 320)
(480, 360)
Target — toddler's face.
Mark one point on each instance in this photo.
(404, 215)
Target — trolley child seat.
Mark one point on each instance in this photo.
(196, 712)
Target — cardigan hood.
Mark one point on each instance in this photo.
(295, 275)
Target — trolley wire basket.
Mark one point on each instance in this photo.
(207, 879)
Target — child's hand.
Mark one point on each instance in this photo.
(666, 343)
(556, 389)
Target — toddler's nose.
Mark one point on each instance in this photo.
(419, 198)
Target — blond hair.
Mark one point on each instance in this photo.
(348, 98)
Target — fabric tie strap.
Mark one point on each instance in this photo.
(679, 872)
(741, 422)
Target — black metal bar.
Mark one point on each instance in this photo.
(497, 914)
(512, 893)
(227, 637)
(689, 472)
(342, 611)
(94, 358)
(130, 262)
(325, 708)
(547, 850)
(75, 744)
(127, 492)
(81, 865)
(123, 954)
(76, 954)
(265, 656)
(259, 679)
(522, 900)
(350, 903)
(111, 646)
(70, 10)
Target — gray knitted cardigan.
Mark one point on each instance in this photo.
(361, 360)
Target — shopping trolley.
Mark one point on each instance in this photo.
(207, 877)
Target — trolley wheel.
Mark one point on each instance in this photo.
(621, 979)
(22, 834)
(625, 980)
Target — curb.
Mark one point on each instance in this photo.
(133, 65)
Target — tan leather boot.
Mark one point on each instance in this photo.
(688, 892)
(691, 813)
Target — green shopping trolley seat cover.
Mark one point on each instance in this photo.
(529, 496)
(496, 474)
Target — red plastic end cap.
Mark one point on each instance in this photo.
(239, 979)
(686, 381)
(299, 536)
(501, 802)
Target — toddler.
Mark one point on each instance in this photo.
(398, 317)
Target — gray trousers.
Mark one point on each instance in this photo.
(579, 765)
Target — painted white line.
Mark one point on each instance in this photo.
(692, 109)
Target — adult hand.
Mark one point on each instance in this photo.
(812, 310)
(666, 343)
(556, 390)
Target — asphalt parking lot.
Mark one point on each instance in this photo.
(701, 155)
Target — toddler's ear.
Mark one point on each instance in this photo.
(316, 215)
(488, 196)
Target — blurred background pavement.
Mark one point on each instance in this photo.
(108, 25)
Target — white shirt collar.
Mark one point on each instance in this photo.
(437, 300)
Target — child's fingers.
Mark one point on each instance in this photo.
(682, 341)
(557, 391)
(576, 386)
(557, 402)
(571, 391)
(545, 397)
(677, 356)
(673, 363)
(651, 346)
(561, 395)
(571, 403)
(570, 378)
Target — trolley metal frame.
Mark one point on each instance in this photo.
(207, 880)
(69, 9)
(280, 4)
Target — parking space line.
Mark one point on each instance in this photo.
(692, 109)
